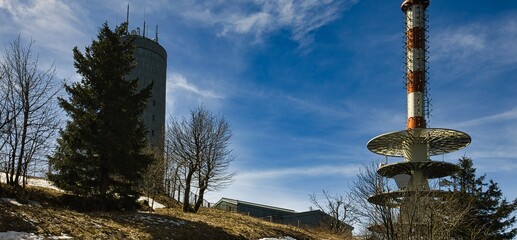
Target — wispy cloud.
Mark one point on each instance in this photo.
(460, 43)
(486, 46)
(55, 27)
(318, 108)
(182, 95)
(493, 141)
(178, 82)
(308, 171)
(497, 165)
(260, 17)
(50, 22)
(491, 119)
(265, 186)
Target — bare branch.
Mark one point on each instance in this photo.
(198, 149)
(29, 111)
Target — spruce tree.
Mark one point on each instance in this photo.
(100, 153)
(491, 216)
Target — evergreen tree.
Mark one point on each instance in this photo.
(100, 152)
(491, 215)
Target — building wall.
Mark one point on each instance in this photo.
(226, 206)
(251, 209)
(256, 211)
(151, 67)
(315, 218)
(311, 219)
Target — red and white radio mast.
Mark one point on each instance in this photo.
(417, 143)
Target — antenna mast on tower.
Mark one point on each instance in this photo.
(127, 19)
(417, 143)
(156, 33)
(144, 33)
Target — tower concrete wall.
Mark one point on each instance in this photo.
(151, 68)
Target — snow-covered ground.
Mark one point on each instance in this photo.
(11, 235)
(11, 201)
(156, 205)
(35, 182)
(24, 235)
(41, 182)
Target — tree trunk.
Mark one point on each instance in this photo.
(199, 200)
(104, 183)
(186, 195)
(12, 160)
(24, 135)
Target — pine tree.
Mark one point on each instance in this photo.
(100, 152)
(491, 215)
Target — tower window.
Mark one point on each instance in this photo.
(153, 117)
(154, 103)
(152, 132)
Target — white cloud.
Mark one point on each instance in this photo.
(51, 23)
(266, 186)
(182, 95)
(319, 108)
(55, 27)
(178, 82)
(309, 171)
(259, 17)
(248, 23)
(459, 43)
(500, 117)
(488, 47)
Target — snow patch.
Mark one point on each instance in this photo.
(282, 238)
(35, 182)
(156, 205)
(17, 235)
(40, 182)
(63, 236)
(11, 235)
(11, 201)
(45, 183)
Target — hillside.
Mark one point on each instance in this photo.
(49, 214)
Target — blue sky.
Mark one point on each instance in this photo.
(306, 83)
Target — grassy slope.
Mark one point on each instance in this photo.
(48, 214)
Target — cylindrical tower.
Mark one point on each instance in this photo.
(415, 61)
(417, 143)
(415, 11)
(151, 67)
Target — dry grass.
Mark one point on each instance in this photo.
(46, 215)
(247, 227)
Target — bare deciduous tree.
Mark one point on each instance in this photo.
(30, 110)
(199, 151)
(213, 171)
(366, 185)
(5, 96)
(425, 215)
(339, 208)
(153, 179)
(173, 167)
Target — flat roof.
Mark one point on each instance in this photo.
(236, 202)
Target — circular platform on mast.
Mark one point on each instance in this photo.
(439, 140)
(396, 198)
(431, 169)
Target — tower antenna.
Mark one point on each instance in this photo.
(156, 33)
(144, 24)
(127, 19)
